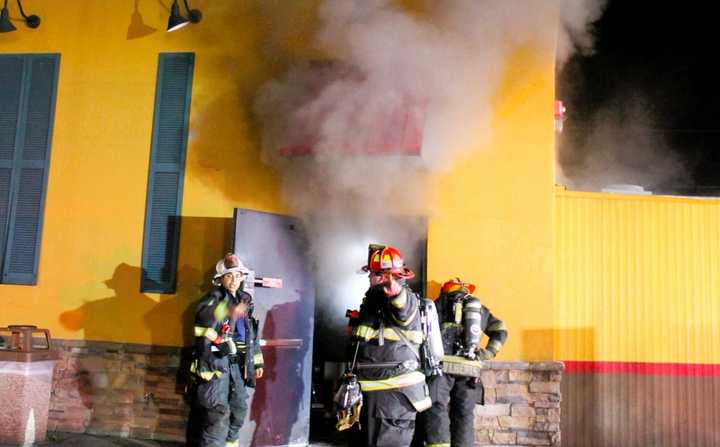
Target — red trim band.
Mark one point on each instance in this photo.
(643, 368)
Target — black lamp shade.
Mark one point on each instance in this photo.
(32, 21)
(6, 25)
(195, 15)
(176, 21)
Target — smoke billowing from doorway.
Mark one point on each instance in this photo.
(441, 63)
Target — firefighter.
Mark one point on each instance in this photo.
(464, 319)
(386, 340)
(227, 354)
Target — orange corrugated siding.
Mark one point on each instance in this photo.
(637, 278)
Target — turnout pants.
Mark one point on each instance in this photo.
(224, 400)
(454, 399)
(387, 419)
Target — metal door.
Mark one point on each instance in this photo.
(274, 246)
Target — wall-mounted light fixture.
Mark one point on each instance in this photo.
(6, 26)
(177, 20)
(32, 20)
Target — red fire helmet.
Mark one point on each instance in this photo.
(388, 260)
(455, 285)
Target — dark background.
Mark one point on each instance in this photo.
(644, 107)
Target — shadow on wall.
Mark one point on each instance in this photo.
(137, 28)
(225, 141)
(117, 382)
(203, 240)
(127, 310)
(165, 321)
(538, 345)
(109, 318)
(114, 384)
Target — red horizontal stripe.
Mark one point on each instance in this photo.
(643, 368)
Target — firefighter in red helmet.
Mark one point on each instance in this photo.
(464, 320)
(387, 340)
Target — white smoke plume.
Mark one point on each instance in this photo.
(575, 32)
(441, 64)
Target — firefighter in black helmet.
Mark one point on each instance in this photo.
(228, 356)
(464, 319)
(388, 337)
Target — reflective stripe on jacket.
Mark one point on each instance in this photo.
(381, 320)
(212, 312)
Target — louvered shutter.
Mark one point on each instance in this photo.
(25, 158)
(11, 77)
(167, 167)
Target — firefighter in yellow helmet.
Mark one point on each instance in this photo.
(388, 337)
(463, 321)
(227, 354)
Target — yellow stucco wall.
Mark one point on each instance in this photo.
(493, 223)
(637, 278)
(89, 272)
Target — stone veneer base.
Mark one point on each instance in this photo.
(137, 391)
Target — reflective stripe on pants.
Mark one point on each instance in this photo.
(403, 380)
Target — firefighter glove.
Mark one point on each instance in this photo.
(485, 354)
(227, 348)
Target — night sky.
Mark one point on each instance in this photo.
(654, 75)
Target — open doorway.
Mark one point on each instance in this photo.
(409, 234)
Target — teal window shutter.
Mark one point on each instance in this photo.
(28, 88)
(167, 169)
